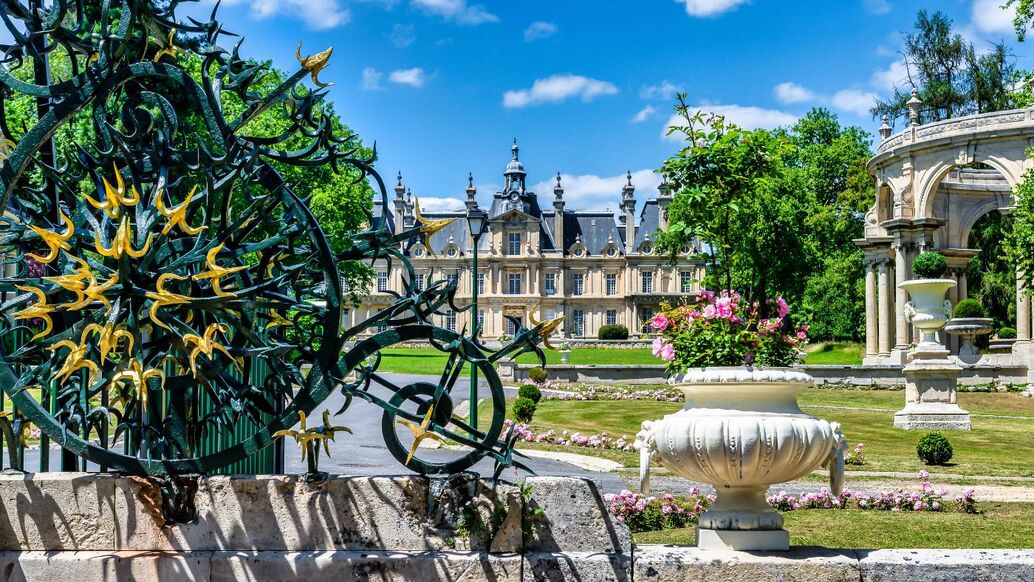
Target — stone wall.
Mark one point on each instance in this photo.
(875, 376)
(78, 526)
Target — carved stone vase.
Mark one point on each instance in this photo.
(741, 430)
(928, 310)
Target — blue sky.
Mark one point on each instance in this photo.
(443, 86)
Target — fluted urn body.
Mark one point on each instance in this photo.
(741, 430)
(928, 310)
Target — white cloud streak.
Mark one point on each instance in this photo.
(316, 14)
(457, 11)
(557, 88)
(990, 18)
(539, 31)
(709, 8)
(877, 6)
(745, 116)
(402, 35)
(854, 101)
(414, 77)
(592, 192)
(371, 79)
(644, 114)
(665, 90)
(788, 92)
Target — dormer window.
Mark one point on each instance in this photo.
(452, 252)
(514, 242)
(418, 251)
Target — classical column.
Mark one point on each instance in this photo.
(872, 346)
(1022, 309)
(901, 297)
(885, 319)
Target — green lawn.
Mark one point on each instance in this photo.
(834, 354)
(989, 449)
(1002, 525)
(431, 361)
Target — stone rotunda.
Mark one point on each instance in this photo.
(933, 183)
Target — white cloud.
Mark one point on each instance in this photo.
(644, 114)
(876, 6)
(854, 101)
(402, 35)
(431, 203)
(788, 92)
(592, 192)
(457, 11)
(371, 79)
(894, 76)
(414, 77)
(539, 31)
(710, 7)
(745, 116)
(990, 18)
(316, 14)
(558, 88)
(665, 90)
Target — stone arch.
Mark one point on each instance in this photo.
(970, 219)
(937, 172)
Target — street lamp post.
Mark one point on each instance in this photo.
(477, 222)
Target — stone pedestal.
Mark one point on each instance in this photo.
(771, 540)
(930, 393)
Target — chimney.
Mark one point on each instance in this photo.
(400, 206)
(628, 212)
(558, 215)
(663, 200)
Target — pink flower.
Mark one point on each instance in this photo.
(667, 353)
(782, 307)
(923, 474)
(724, 307)
(660, 322)
(658, 344)
(710, 312)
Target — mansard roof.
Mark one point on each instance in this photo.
(648, 223)
(596, 228)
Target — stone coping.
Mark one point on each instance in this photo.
(649, 563)
(108, 512)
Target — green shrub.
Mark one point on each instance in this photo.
(537, 375)
(968, 308)
(934, 449)
(1007, 333)
(523, 409)
(929, 265)
(531, 392)
(613, 331)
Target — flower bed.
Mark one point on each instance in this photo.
(568, 438)
(642, 513)
(562, 391)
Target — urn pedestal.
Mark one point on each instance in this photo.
(742, 431)
(968, 328)
(931, 376)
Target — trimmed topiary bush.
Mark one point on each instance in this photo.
(934, 449)
(537, 375)
(1007, 333)
(929, 265)
(531, 392)
(968, 308)
(613, 331)
(523, 409)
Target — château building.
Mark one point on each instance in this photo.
(539, 263)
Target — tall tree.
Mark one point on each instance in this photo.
(949, 76)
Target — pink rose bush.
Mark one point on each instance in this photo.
(724, 330)
(642, 513)
(585, 392)
(857, 457)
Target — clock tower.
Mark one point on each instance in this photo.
(513, 190)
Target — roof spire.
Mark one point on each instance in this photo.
(399, 188)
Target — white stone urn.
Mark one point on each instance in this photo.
(968, 328)
(928, 310)
(565, 356)
(741, 431)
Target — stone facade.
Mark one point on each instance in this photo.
(540, 263)
(933, 183)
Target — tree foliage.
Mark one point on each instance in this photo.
(949, 76)
(776, 212)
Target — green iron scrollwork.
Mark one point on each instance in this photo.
(161, 280)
